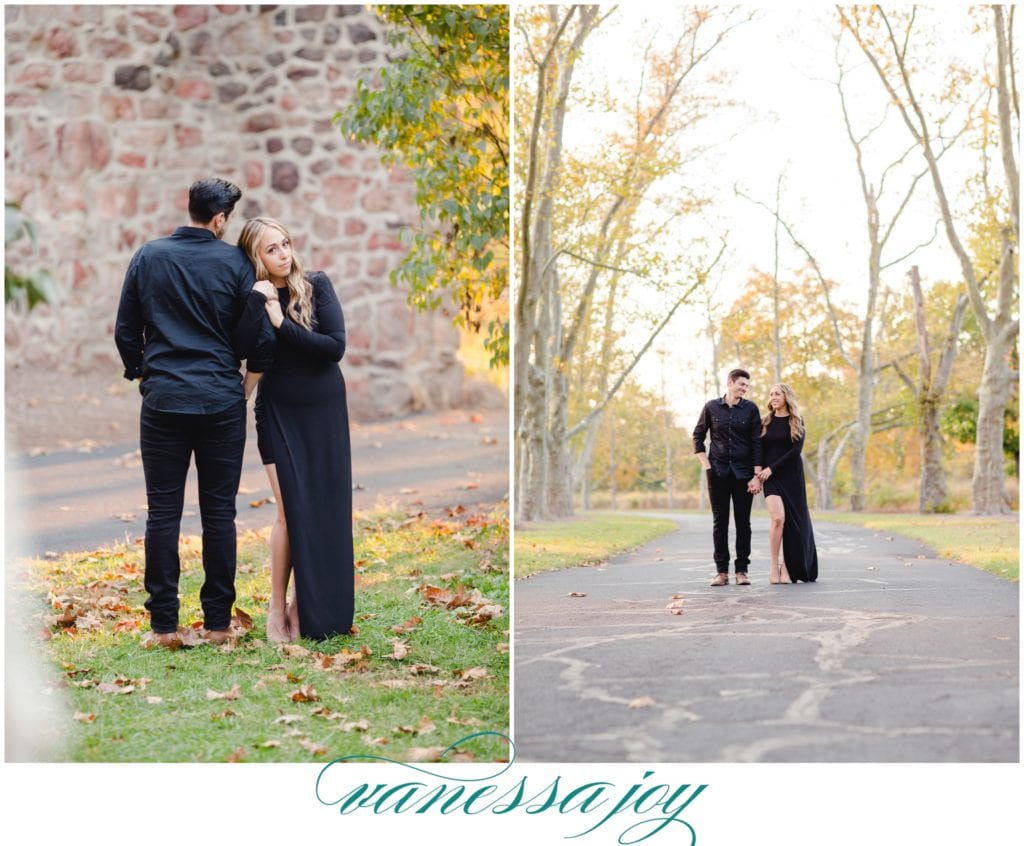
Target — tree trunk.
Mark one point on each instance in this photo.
(1001, 326)
(932, 496)
(988, 485)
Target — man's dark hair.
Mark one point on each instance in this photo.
(210, 197)
(738, 374)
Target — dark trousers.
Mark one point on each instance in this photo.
(722, 490)
(168, 441)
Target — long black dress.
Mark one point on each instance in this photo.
(782, 454)
(302, 428)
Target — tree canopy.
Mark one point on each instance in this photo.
(440, 108)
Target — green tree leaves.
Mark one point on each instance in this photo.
(440, 108)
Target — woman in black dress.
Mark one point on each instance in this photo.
(785, 493)
(303, 437)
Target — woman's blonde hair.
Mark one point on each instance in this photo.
(796, 421)
(300, 301)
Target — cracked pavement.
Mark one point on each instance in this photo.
(893, 655)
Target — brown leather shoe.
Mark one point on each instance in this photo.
(171, 640)
(720, 579)
(741, 579)
(217, 637)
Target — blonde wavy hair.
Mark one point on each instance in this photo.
(796, 420)
(300, 301)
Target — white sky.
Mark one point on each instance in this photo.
(783, 67)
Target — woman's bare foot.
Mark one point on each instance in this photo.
(277, 625)
(773, 573)
(784, 579)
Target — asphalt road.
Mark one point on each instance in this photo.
(893, 655)
(68, 500)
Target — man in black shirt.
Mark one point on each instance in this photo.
(180, 304)
(735, 457)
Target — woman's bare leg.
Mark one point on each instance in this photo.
(278, 625)
(777, 515)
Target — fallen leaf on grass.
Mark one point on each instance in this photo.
(127, 625)
(294, 650)
(423, 669)
(269, 744)
(241, 620)
(306, 693)
(362, 725)
(401, 650)
(234, 693)
(84, 718)
(288, 719)
(377, 741)
(484, 614)
(640, 702)
(154, 700)
(474, 674)
(424, 754)
(469, 721)
(315, 748)
(408, 625)
(227, 712)
(326, 713)
(236, 756)
(87, 622)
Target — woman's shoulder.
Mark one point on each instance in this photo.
(320, 282)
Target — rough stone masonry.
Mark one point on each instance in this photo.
(112, 111)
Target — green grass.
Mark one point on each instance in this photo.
(588, 539)
(454, 681)
(989, 543)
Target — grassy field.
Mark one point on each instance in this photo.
(427, 667)
(989, 543)
(588, 539)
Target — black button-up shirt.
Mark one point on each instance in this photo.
(735, 437)
(180, 307)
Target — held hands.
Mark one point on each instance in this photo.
(754, 485)
(765, 474)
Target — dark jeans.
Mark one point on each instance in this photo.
(168, 441)
(722, 489)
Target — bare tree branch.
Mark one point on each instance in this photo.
(817, 270)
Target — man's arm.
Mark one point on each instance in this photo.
(755, 435)
(699, 433)
(129, 334)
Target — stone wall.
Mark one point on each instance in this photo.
(113, 111)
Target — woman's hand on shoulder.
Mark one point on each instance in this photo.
(266, 288)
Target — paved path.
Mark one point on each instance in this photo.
(70, 500)
(893, 655)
